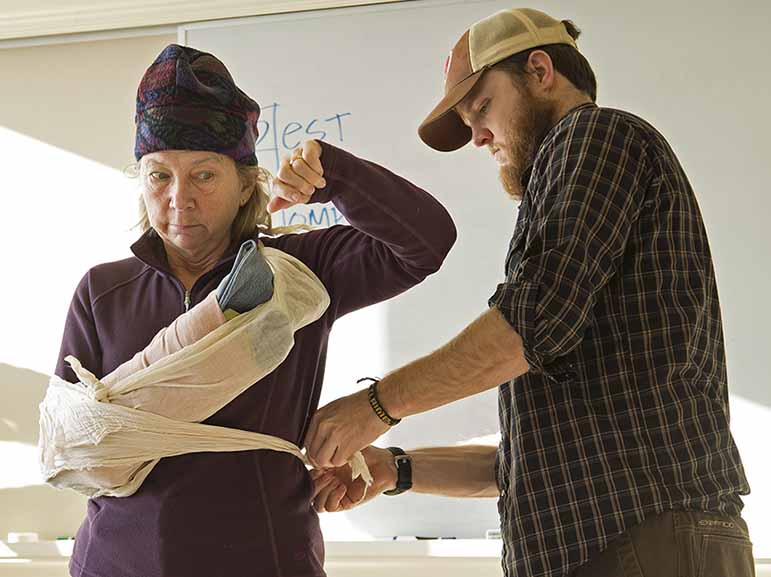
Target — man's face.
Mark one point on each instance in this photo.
(510, 121)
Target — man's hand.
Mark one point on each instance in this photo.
(334, 490)
(341, 428)
(298, 177)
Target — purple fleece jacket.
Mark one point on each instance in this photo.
(245, 513)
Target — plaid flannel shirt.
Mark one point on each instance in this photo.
(610, 284)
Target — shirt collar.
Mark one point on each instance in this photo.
(150, 250)
(524, 180)
(564, 119)
(527, 173)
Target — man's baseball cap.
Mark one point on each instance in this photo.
(487, 42)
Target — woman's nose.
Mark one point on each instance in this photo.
(181, 194)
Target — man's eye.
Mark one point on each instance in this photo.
(205, 175)
(155, 175)
(484, 108)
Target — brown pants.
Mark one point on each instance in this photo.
(677, 544)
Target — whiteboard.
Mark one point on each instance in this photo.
(363, 78)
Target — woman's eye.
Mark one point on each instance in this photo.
(205, 176)
(155, 175)
(484, 108)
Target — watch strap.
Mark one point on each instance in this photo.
(403, 472)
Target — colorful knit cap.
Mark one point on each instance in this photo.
(187, 100)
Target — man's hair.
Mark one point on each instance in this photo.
(566, 60)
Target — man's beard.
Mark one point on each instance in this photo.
(533, 120)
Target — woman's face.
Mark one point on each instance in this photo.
(192, 198)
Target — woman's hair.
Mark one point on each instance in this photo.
(252, 217)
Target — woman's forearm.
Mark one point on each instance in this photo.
(185, 330)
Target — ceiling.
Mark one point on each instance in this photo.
(24, 19)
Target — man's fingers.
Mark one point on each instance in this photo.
(341, 456)
(321, 483)
(326, 452)
(310, 435)
(333, 502)
(320, 448)
(356, 492)
(320, 502)
(354, 496)
(331, 495)
(317, 473)
(313, 441)
(359, 492)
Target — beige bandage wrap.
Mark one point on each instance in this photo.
(103, 437)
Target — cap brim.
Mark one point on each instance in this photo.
(443, 129)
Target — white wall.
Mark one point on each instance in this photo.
(66, 131)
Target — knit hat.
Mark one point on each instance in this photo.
(486, 43)
(187, 100)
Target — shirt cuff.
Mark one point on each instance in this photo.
(329, 161)
(517, 304)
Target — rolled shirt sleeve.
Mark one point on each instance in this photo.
(587, 186)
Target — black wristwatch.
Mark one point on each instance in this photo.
(403, 472)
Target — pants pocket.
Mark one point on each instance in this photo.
(723, 556)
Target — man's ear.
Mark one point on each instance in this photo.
(541, 67)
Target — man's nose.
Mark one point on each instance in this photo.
(481, 136)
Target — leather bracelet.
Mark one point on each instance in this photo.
(374, 402)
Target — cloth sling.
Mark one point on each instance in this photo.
(103, 437)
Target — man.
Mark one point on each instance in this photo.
(616, 456)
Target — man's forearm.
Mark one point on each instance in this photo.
(466, 471)
(485, 354)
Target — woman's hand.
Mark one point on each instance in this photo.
(298, 177)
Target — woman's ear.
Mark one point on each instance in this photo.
(247, 188)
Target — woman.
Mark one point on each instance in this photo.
(244, 513)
